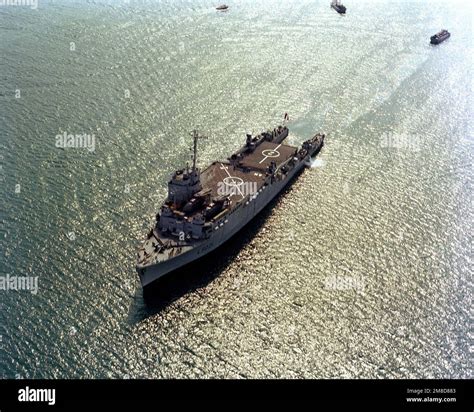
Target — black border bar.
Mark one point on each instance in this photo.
(87, 393)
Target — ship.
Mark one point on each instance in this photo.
(336, 5)
(222, 7)
(206, 208)
(440, 37)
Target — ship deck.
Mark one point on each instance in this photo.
(267, 152)
(249, 175)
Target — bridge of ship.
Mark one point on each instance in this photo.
(252, 169)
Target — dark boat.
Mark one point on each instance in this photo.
(336, 5)
(440, 37)
(222, 7)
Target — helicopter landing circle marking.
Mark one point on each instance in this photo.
(270, 153)
(233, 181)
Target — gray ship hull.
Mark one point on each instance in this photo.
(235, 222)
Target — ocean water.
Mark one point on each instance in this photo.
(361, 269)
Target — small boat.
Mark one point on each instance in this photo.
(336, 5)
(440, 37)
(222, 7)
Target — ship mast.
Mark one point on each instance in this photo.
(195, 139)
(196, 136)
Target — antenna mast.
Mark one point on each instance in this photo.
(195, 138)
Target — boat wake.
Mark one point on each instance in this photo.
(312, 163)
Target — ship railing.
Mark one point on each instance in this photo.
(219, 215)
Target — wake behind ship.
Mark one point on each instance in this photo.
(205, 209)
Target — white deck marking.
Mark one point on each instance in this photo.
(272, 150)
(228, 174)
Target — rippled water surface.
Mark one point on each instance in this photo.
(360, 269)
